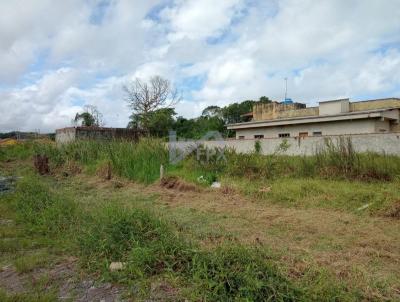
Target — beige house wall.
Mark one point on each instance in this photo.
(311, 111)
(375, 104)
(276, 110)
(334, 107)
(328, 128)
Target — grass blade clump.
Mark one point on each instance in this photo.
(149, 247)
(138, 161)
(17, 151)
(136, 236)
(237, 273)
(41, 208)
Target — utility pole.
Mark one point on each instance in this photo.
(285, 89)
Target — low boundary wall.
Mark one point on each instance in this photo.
(70, 134)
(388, 143)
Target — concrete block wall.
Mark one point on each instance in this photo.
(311, 111)
(274, 110)
(70, 134)
(388, 143)
(65, 135)
(375, 104)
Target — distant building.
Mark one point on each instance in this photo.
(335, 117)
(70, 134)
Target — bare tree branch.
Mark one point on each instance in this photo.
(146, 97)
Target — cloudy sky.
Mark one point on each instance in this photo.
(57, 56)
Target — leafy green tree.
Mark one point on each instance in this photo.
(91, 117)
(213, 118)
(265, 100)
(233, 113)
(161, 121)
(212, 111)
(85, 118)
(146, 97)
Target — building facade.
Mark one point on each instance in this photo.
(336, 117)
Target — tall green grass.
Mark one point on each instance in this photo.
(337, 159)
(139, 161)
(19, 151)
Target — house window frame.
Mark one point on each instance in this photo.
(284, 135)
(317, 133)
(258, 136)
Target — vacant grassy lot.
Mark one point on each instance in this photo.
(282, 229)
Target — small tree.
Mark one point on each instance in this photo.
(91, 117)
(146, 97)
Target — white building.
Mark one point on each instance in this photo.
(336, 117)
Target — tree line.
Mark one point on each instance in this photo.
(153, 111)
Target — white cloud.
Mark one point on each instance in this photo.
(200, 19)
(57, 57)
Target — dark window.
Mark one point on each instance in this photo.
(284, 134)
(259, 136)
(317, 133)
(241, 136)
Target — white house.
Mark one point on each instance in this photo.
(335, 117)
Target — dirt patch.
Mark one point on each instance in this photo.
(41, 164)
(82, 290)
(65, 275)
(162, 291)
(178, 184)
(10, 280)
(88, 290)
(226, 190)
(393, 211)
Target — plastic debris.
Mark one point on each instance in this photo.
(7, 184)
(117, 266)
(364, 207)
(216, 185)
